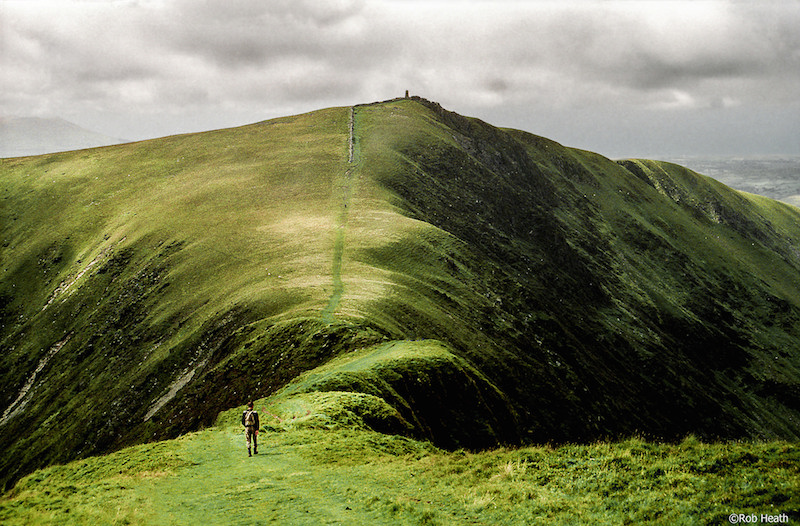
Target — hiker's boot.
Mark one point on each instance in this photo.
(248, 453)
(255, 450)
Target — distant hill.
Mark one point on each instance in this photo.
(776, 177)
(397, 265)
(792, 200)
(22, 136)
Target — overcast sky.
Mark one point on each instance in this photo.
(623, 78)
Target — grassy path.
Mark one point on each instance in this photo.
(355, 477)
(222, 485)
(341, 224)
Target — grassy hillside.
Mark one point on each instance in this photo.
(316, 468)
(151, 263)
(470, 285)
(600, 297)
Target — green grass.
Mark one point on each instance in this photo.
(94, 490)
(304, 474)
(153, 258)
(457, 282)
(416, 388)
(559, 273)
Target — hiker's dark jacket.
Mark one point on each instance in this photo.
(255, 414)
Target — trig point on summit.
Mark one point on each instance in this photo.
(406, 93)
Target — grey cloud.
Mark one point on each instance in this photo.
(649, 70)
(320, 14)
(247, 32)
(71, 54)
(625, 52)
(211, 56)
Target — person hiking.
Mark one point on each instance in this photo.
(250, 423)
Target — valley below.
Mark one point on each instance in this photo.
(775, 177)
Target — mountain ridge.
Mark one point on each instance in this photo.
(575, 297)
(26, 136)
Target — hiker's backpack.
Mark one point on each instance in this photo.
(250, 418)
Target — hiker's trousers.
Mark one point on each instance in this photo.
(250, 435)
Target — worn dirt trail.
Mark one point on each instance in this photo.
(341, 224)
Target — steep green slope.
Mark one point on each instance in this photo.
(667, 309)
(131, 271)
(493, 286)
(600, 299)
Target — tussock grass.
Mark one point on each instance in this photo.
(96, 490)
(350, 475)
